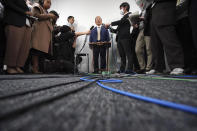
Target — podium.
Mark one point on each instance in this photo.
(107, 45)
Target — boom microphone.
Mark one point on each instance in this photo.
(85, 40)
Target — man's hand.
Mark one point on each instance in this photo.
(52, 16)
(135, 26)
(88, 32)
(141, 18)
(29, 13)
(107, 25)
(82, 33)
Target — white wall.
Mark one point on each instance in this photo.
(85, 12)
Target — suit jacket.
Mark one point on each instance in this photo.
(147, 21)
(104, 35)
(164, 12)
(123, 27)
(15, 12)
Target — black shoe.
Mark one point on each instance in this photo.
(120, 71)
(194, 72)
(188, 71)
(96, 72)
(130, 72)
(142, 71)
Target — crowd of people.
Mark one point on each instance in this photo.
(30, 34)
(164, 29)
(163, 38)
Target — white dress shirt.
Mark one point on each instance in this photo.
(98, 33)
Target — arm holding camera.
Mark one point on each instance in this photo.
(82, 33)
(40, 16)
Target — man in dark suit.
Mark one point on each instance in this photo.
(193, 20)
(164, 37)
(124, 39)
(184, 32)
(98, 35)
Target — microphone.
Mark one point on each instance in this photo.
(92, 28)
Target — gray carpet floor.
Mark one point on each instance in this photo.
(74, 107)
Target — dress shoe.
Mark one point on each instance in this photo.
(96, 72)
(36, 71)
(120, 71)
(142, 71)
(130, 72)
(19, 70)
(12, 71)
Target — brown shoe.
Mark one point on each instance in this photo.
(19, 70)
(12, 71)
(35, 71)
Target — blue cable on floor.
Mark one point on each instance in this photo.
(186, 76)
(178, 76)
(172, 105)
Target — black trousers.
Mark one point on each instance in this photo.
(99, 50)
(135, 60)
(165, 38)
(184, 32)
(193, 20)
(126, 51)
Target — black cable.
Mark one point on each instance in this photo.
(35, 90)
(84, 43)
(31, 78)
(26, 108)
(114, 55)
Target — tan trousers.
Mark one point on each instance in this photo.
(144, 41)
(17, 46)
